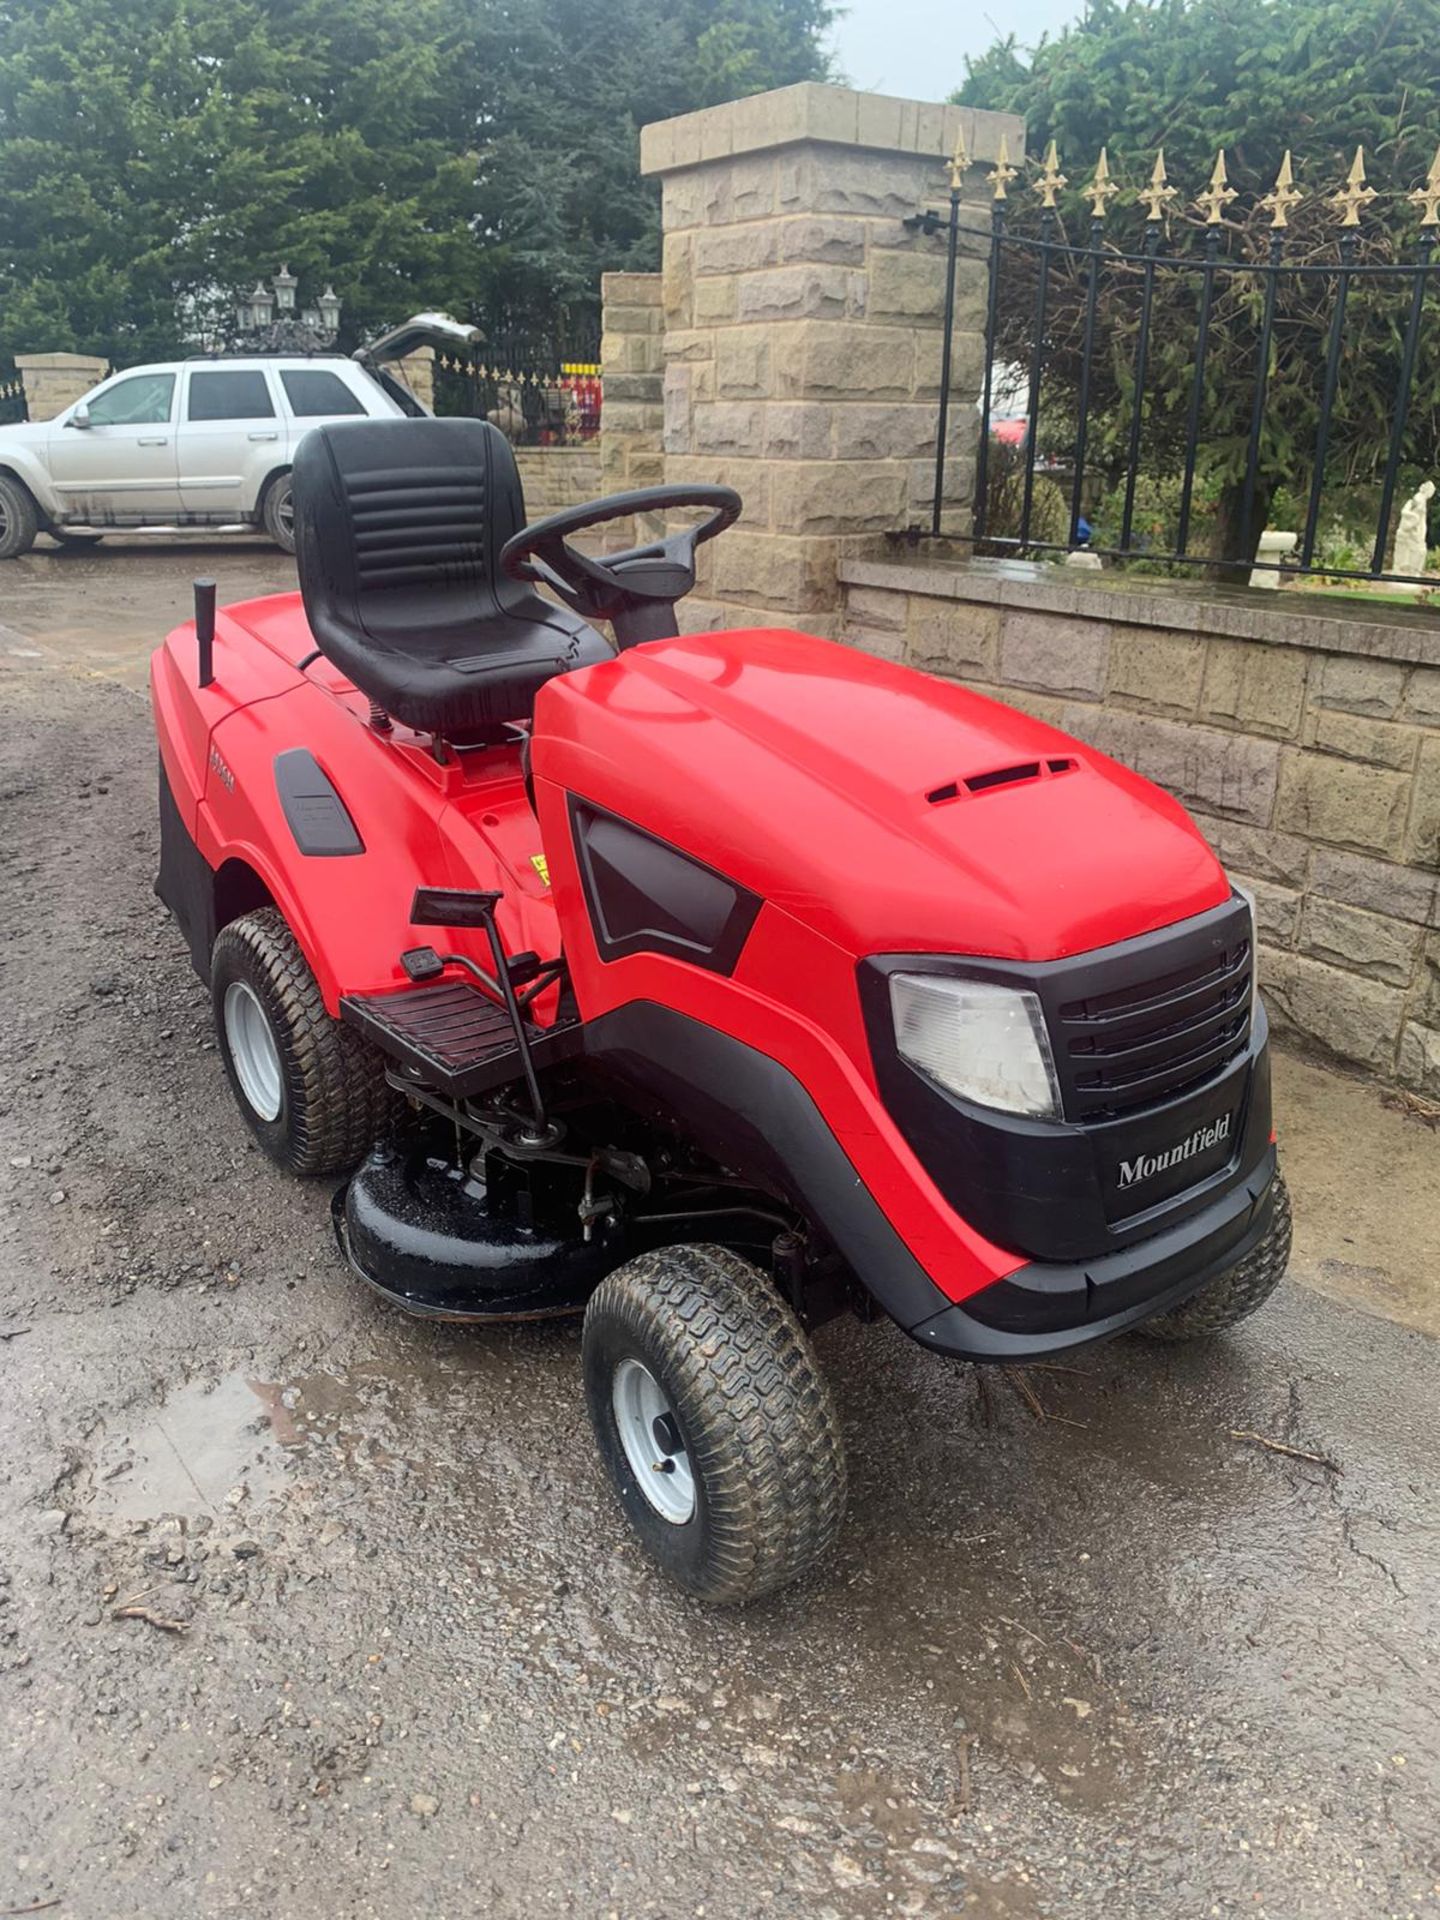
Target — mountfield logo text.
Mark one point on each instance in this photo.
(1146, 1165)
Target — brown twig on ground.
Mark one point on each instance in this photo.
(1291, 1453)
(134, 1599)
(1021, 1628)
(40, 1906)
(1399, 1101)
(1015, 1665)
(151, 1617)
(1028, 1394)
(14, 1333)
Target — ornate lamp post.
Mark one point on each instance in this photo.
(267, 320)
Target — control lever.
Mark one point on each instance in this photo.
(466, 907)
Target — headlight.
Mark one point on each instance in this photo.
(985, 1042)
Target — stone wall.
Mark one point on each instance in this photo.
(54, 381)
(632, 371)
(1306, 744)
(802, 330)
(556, 477)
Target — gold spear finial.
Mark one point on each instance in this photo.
(959, 161)
(1217, 196)
(1282, 195)
(1159, 193)
(1101, 188)
(1002, 173)
(1051, 179)
(1427, 198)
(1354, 194)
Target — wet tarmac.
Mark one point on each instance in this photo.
(310, 1610)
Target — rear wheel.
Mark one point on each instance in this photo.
(1241, 1290)
(313, 1093)
(19, 521)
(714, 1421)
(279, 513)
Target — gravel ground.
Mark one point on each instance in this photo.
(307, 1609)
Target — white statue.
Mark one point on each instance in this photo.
(1410, 535)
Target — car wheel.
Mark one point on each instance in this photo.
(1241, 1290)
(279, 514)
(312, 1091)
(19, 522)
(714, 1422)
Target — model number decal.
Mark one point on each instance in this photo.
(219, 767)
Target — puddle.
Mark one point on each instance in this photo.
(217, 1447)
(211, 1448)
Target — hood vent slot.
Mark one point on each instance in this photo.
(1022, 773)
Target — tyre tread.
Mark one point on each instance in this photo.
(761, 1423)
(339, 1100)
(1232, 1296)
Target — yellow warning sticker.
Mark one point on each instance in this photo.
(541, 866)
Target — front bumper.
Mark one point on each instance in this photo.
(1047, 1308)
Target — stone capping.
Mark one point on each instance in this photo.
(838, 116)
(62, 362)
(1408, 635)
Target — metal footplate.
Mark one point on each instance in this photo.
(451, 1036)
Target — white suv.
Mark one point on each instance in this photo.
(195, 443)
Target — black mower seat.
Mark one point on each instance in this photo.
(398, 526)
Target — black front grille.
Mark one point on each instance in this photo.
(1151, 1039)
(1150, 1032)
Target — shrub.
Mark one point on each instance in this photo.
(1005, 502)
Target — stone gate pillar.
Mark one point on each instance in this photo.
(54, 381)
(802, 330)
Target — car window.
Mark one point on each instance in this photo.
(230, 396)
(313, 392)
(142, 401)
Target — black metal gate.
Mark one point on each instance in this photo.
(12, 397)
(557, 404)
(1073, 325)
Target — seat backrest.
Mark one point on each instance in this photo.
(399, 524)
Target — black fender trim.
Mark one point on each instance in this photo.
(185, 881)
(753, 1115)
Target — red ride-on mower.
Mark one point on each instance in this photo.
(709, 985)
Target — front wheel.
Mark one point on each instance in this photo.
(19, 521)
(279, 513)
(313, 1093)
(714, 1421)
(1241, 1290)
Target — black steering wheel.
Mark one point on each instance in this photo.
(635, 590)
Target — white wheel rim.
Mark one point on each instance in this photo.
(650, 1435)
(254, 1053)
(285, 512)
